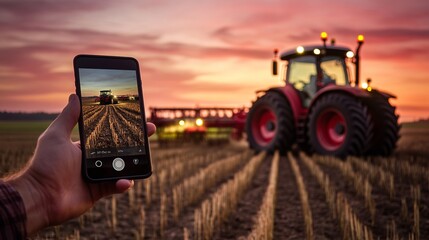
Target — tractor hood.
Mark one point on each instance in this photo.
(354, 91)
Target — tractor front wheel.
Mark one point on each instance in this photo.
(270, 125)
(338, 125)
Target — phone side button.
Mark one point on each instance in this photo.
(118, 164)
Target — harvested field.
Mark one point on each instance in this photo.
(229, 192)
(105, 123)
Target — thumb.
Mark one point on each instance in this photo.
(100, 190)
(68, 118)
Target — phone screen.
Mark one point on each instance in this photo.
(111, 113)
(112, 124)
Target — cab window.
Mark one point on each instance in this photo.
(302, 71)
(334, 71)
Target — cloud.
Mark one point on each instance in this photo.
(383, 34)
(187, 52)
(414, 108)
(22, 11)
(33, 57)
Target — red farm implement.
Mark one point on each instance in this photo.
(198, 125)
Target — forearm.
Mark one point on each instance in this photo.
(12, 213)
(35, 207)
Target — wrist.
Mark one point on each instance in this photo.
(34, 202)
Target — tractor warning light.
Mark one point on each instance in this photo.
(350, 54)
(199, 122)
(324, 36)
(360, 38)
(300, 49)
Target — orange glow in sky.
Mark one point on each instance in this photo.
(206, 53)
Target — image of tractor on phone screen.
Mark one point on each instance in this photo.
(106, 97)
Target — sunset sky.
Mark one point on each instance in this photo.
(206, 53)
(120, 82)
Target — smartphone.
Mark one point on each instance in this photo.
(112, 122)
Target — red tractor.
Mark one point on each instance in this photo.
(321, 108)
(106, 97)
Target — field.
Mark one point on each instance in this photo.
(105, 123)
(229, 192)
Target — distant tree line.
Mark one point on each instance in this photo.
(18, 116)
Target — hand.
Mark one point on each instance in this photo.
(51, 185)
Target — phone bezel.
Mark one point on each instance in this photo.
(103, 174)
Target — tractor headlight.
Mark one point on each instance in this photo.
(367, 85)
(199, 122)
(182, 122)
(316, 51)
(300, 49)
(350, 54)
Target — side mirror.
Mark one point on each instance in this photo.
(274, 67)
(276, 51)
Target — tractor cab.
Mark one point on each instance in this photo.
(311, 68)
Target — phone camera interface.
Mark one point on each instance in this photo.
(111, 113)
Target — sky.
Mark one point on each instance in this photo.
(120, 82)
(207, 52)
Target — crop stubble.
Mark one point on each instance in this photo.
(398, 189)
(112, 126)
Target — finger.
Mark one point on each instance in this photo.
(68, 118)
(123, 185)
(100, 190)
(151, 128)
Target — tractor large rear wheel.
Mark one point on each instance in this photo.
(339, 125)
(386, 128)
(270, 124)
